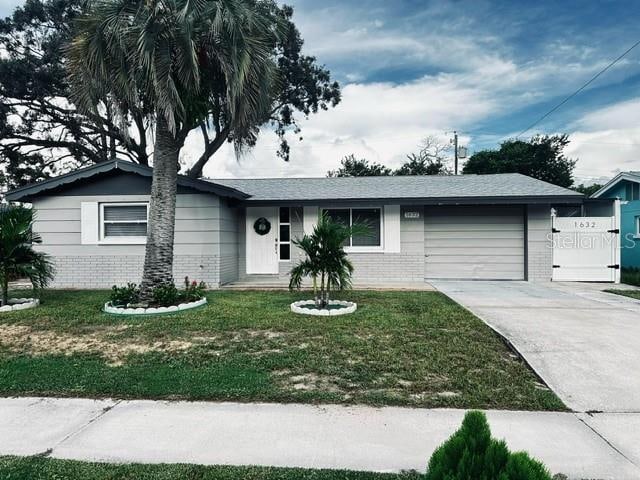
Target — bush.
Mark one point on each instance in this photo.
(193, 290)
(471, 454)
(122, 296)
(630, 276)
(165, 295)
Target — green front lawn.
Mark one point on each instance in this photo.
(626, 293)
(399, 348)
(38, 468)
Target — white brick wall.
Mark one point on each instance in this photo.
(387, 267)
(539, 245)
(103, 271)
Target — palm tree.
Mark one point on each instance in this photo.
(168, 58)
(325, 258)
(309, 267)
(18, 259)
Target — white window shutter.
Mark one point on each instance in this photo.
(89, 223)
(392, 228)
(309, 219)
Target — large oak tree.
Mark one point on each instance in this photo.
(44, 133)
(542, 157)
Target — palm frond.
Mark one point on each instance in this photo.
(164, 53)
(18, 258)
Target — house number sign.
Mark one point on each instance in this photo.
(262, 226)
(411, 214)
(585, 224)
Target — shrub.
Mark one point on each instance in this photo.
(122, 296)
(631, 276)
(18, 258)
(193, 290)
(165, 295)
(471, 454)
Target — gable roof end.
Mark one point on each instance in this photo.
(35, 189)
(630, 176)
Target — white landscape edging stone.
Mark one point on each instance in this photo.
(299, 307)
(108, 308)
(20, 304)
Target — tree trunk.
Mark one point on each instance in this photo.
(158, 260)
(315, 290)
(5, 290)
(322, 290)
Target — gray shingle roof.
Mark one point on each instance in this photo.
(27, 192)
(507, 188)
(396, 187)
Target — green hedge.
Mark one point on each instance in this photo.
(471, 454)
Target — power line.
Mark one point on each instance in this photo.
(591, 80)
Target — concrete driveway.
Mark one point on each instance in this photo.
(583, 342)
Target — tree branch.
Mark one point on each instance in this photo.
(196, 170)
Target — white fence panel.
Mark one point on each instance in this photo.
(585, 249)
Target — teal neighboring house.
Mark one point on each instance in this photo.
(626, 187)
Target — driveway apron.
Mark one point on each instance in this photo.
(583, 342)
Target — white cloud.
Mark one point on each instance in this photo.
(480, 76)
(381, 122)
(385, 121)
(607, 141)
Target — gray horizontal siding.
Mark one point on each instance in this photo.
(412, 232)
(197, 241)
(228, 244)
(474, 243)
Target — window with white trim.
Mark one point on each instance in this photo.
(638, 227)
(372, 217)
(285, 234)
(123, 222)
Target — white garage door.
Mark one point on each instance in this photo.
(479, 243)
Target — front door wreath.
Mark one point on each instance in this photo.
(262, 226)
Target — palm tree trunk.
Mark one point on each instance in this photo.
(322, 290)
(5, 290)
(158, 260)
(315, 290)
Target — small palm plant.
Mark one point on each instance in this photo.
(18, 259)
(325, 261)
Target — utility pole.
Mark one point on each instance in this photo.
(455, 152)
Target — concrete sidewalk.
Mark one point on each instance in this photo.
(359, 438)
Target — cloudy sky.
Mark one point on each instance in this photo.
(412, 68)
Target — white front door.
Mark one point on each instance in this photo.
(262, 240)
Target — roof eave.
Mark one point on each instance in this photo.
(493, 200)
(615, 180)
(30, 191)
